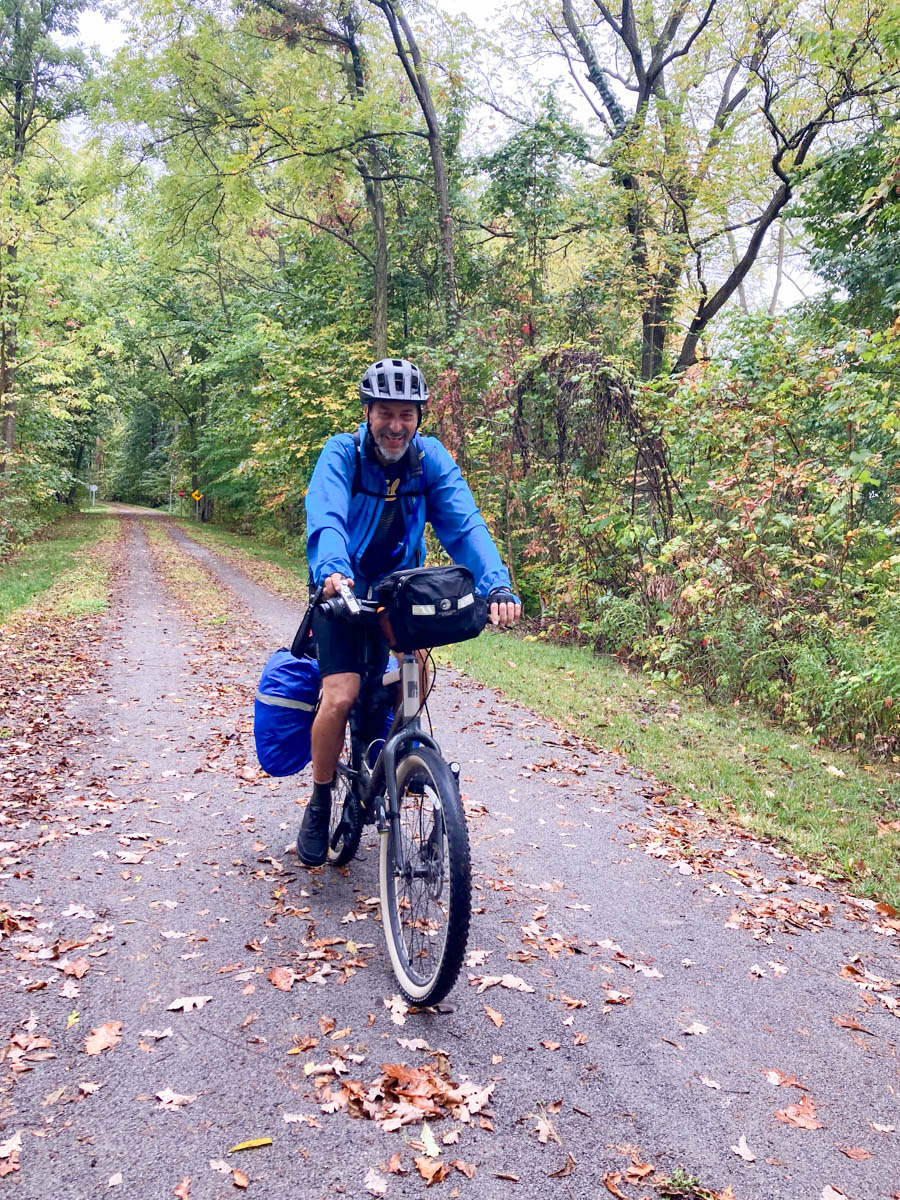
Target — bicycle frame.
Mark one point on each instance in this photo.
(382, 775)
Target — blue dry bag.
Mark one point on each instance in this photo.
(283, 712)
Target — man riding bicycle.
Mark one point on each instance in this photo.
(368, 500)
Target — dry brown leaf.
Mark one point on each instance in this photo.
(802, 1115)
(431, 1170)
(567, 1168)
(855, 1152)
(612, 996)
(548, 1045)
(545, 1131)
(239, 1179)
(506, 1175)
(395, 1165)
(103, 1037)
(696, 1028)
(282, 978)
(610, 1181)
(78, 967)
(638, 1171)
(493, 1015)
(831, 1193)
(464, 1168)
(779, 1079)
(183, 1189)
(851, 1022)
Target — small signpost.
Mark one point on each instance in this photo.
(92, 488)
(196, 496)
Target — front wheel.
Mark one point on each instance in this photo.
(425, 879)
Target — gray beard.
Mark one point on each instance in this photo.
(390, 457)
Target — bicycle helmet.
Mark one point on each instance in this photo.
(394, 379)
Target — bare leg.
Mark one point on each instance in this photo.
(339, 694)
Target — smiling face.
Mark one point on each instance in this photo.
(392, 424)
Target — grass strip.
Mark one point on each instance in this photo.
(283, 572)
(824, 805)
(64, 570)
(204, 596)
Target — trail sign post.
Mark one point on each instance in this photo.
(92, 488)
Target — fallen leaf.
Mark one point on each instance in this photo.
(851, 1022)
(802, 1115)
(426, 1137)
(432, 1172)
(114, 1180)
(638, 1171)
(464, 1168)
(506, 1175)
(548, 1045)
(696, 1028)
(251, 1144)
(240, 1180)
(188, 1003)
(183, 1189)
(374, 1183)
(742, 1150)
(171, 1100)
(830, 1193)
(567, 1168)
(710, 1083)
(779, 1079)
(282, 978)
(220, 1165)
(545, 1131)
(611, 1180)
(156, 1034)
(884, 1128)
(395, 1165)
(493, 1015)
(79, 967)
(855, 1152)
(104, 1037)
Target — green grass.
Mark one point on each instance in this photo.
(292, 560)
(59, 551)
(731, 761)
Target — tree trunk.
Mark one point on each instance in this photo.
(411, 59)
(375, 202)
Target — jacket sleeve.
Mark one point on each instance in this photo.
(456, 520)
(327, 509)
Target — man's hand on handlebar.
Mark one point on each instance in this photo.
(504, 610)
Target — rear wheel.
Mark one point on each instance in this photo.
(425, 879)
(345, 826)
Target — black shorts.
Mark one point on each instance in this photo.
(343, 646)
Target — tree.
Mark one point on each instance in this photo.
(40, 85)
(709, 111)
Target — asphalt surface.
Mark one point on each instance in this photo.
(644, 968)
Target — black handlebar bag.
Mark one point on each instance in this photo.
(430, 606)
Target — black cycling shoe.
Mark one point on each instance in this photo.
(312, 840)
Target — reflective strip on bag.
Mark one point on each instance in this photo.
(465, 601)
(422, 610)
(284, 702)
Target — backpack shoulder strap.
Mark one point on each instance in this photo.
(356, 485)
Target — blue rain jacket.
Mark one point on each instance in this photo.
(339, 526)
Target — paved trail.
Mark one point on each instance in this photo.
(660, 965)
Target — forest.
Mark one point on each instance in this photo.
(644, 251)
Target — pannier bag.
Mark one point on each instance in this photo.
(430, 606)
(283, 712)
